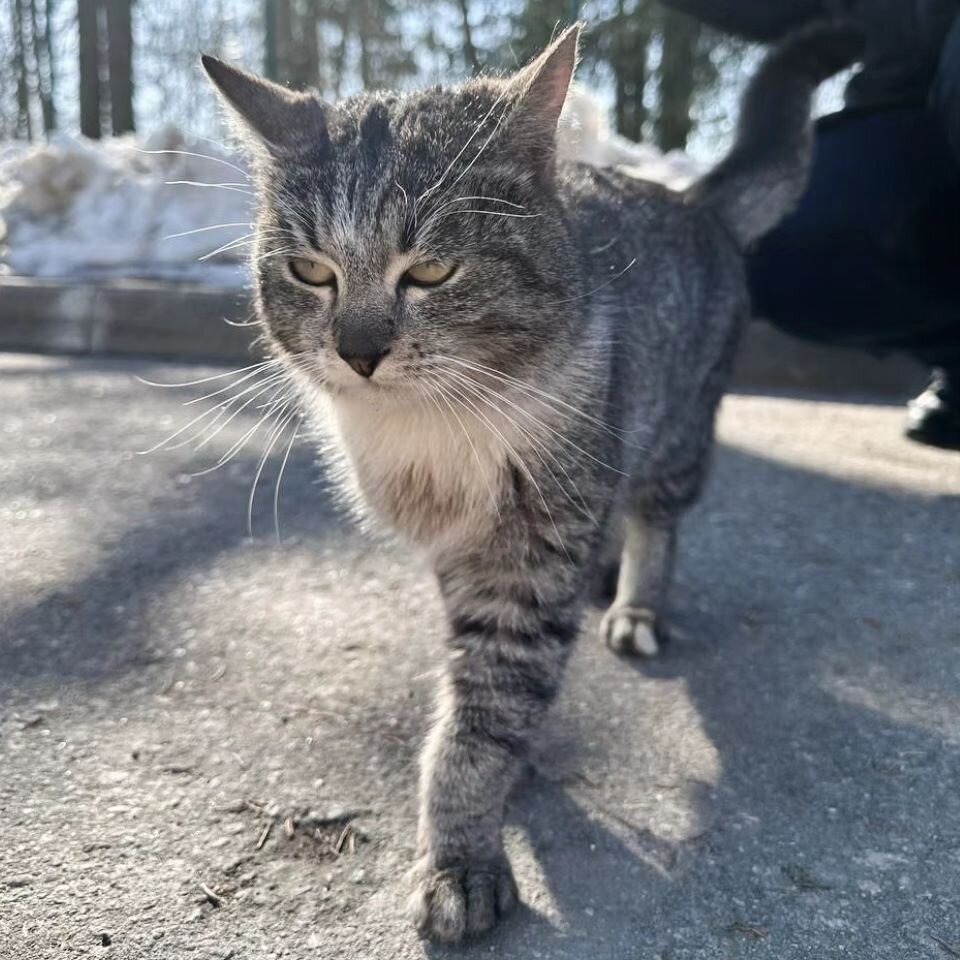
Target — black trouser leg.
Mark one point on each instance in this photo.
(872, 256)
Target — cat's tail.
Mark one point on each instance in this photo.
(763, 177)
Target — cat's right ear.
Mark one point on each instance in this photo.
(284, 121)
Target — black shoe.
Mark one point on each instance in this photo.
(934, 417)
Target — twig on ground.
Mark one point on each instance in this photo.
(264, 834)
(952, 949)
(338, 846)
(758, 933)
(803, 878)
(212, 898)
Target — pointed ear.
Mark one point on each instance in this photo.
(282, 119)
(541, 91)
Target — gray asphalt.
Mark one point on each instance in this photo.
(194, 722)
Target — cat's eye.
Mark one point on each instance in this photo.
(312, 272)
(428, 273)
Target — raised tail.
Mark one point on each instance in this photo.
(765, 174)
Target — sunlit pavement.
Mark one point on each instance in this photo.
(209, 741)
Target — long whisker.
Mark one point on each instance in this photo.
(282, 419)
(239, 445)
(215, 226)
(283, 252)
(483, 147)
(556, 404)
(217, 376)
(220, 409)
(199, 156)
(590, 293)
(231, 187)
(489, 213)
(539, 445)
(243, 241)
(211, 431)
(540, 423)
(518, 459)
(228, 387)
(462, 150)
(450, 203)
(493, 497)
(283, 466)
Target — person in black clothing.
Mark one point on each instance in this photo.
(871, 258)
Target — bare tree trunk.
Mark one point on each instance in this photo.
(537, 24)
(24, 121)
(630, 48)
(681, 37)
(269, 40)
(89, 68)
(51, 61)
(469, 50)
(340, 57)
(304, 67)
(310, 73)
(364, 36)
(43, 65)
(120, 59)
(283, 38)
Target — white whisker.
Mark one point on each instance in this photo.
(207, 433)
(518, 459)
(215, 226)
(217, 376)
(244, 241)
(229, 386)
(539, 446)
(493, 497)
(238, 446)
(231, 187)
(489, 213)
(199, 156)
(283, 466)
(546, 399)
(590, 293)
(462, 150)
(282, 419)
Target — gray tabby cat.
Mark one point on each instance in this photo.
(521, 360)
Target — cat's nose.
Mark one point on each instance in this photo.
(363, 363)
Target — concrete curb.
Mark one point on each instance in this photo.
(125, 317)
(192, 322)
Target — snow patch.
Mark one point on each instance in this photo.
(82, 209)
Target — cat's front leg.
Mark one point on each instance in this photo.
(511, 632)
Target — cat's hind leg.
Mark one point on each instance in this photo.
(633, 624)
(654, 504)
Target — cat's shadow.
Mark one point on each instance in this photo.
(801, 683)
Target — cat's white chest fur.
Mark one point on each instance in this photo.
(430, 475)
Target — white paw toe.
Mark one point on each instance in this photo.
(630, 631)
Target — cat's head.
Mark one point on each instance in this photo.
(396, 232)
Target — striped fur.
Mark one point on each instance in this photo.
(550, 402)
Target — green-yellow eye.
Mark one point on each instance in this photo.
(428, 273)
(312, 272)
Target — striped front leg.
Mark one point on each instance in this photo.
(512, 627)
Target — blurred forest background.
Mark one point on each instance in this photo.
(105, 67)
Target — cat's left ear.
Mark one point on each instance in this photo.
(541, 89)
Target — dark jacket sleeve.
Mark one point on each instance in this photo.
(755, 19)
(945, 94)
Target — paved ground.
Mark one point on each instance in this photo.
(176, 699)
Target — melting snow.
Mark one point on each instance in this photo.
(126, 208)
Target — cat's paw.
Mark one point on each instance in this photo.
(633, 631)
(461, 900)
